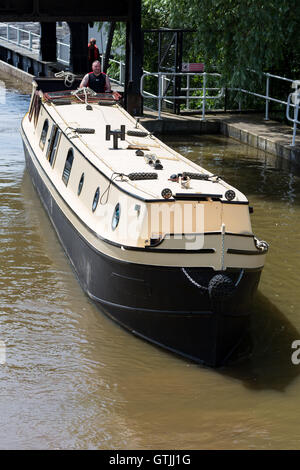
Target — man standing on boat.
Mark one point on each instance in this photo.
(96, 80)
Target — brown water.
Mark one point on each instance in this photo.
(73, 379)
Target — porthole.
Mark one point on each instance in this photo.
(96, 199)
(80, 184)
(116, 217)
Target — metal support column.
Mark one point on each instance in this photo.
(48, 42)
(134, 51)
(79, 47)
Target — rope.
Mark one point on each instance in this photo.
(202, 288)
(113, 178)
(68, 76)
(240, 278)
(223, 246)
(205, 289)
(86, 91)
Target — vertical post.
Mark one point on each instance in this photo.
(18, 36)
(134, 58)
(30, 40)
(7, 31)
(122, 77)
(160, 86)
(188, 91)
(78, 47)
(267, 97)
(204, 97)
(47, 42)
(225, 100)
(58, 55)
(296, 109)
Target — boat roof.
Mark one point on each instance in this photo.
(76, 115)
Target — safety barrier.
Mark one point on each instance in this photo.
(203, 96)
(21, 37)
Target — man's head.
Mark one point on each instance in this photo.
(93, 41)
(96, 67)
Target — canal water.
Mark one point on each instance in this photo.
(75, 380)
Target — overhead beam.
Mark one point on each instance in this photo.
(68, 10)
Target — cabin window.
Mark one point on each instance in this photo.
(68, 166)
(53, 144)
(44, 134)
(116, 217)
(34, 108)
(37, 107)
(96, 199)
(80, 184)
(32, 103)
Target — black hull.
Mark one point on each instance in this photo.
(157, 303)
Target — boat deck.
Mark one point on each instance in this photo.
(70, 114)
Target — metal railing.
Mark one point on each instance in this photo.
(31, 41)
(292, 101)
(63, 52)
(203, 96)
(294, 96)
(121, 70)
(21, 37)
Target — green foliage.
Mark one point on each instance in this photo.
(238, 35)
(231, 37)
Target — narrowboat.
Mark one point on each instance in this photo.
(162, 246)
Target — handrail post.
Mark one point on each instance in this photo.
(7, 31)
(204, 97)
(18, 36)
(160, 84)
(30, 40)
(122, 73)
(267, 96)
(296, 109)
(188, 92)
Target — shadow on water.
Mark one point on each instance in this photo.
(268, 364)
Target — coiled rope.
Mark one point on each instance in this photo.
(68, 76)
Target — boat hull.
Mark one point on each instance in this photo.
(161, 304)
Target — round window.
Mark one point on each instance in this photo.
(80, 184)
(96, 199)
(116, 217)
